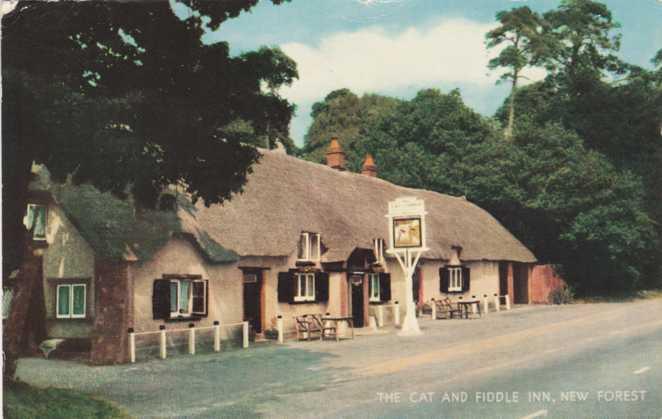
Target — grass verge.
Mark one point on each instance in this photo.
(23, 401)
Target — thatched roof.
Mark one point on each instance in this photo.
(285, 196)
(116, 231)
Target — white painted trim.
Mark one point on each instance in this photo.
(70, 314)
(374, 298)
(308, 248)
(309, 296)
(455, 278)
(78, 316)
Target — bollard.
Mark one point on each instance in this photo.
(434, 310)
(474, 307)
(191, 339)
(497, 302)
(132, 345)
(279, 327)
(162, 342)
(396, 314)
(486, 307)
(245, 335)
(380, 316)
(217, 336)
(507, 301)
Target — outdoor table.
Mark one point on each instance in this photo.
(339, 319)
(466, 305)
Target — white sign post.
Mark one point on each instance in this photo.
(406, 223)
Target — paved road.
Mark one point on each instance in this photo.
(598, 360)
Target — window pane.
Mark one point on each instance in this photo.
(302, 285)
(63, 300)
(314, 246)
(310, 288)
(198, 297)
(7, 294)
(79, 300)
(28, 220)
(173, 297)
(303, 243)
(184, 295)
(40, 222)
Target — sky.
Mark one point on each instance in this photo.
(398, 47)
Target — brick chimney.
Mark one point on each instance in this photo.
(335, 157)
(369, 167)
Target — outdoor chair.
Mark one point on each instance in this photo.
(328, 330)
(307, 327)
(445, 310)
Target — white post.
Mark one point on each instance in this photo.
(474, 307)
(191, 339)
(497, 302)
(380, 316)
(217, 336)
(132, 346)
(245, 327)
(279, 326)
(507, 302)
(434, 310)
(410, 324)
(396, 313)
(162, 342)
(486, 307)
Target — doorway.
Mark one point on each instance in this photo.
(416, 285)
(503, 278)
(252, 299)
(356, 286)
(521, 283)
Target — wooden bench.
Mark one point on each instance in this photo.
(328, 329)
(445, 309)
(307, 327)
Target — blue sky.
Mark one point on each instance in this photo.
(397, 47)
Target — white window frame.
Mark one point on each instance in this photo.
(310, 248)
(178, 313)
(375, 287)
(310, 287)
(455, 279)
(70, 314)
(34, 237)
(378, 250)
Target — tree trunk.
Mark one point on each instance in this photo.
(511, 107)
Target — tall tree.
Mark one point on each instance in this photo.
(125, 95)
(345, 115)
(519, 31)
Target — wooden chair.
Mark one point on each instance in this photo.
(306, 327)
(328, 330)
(445, 309)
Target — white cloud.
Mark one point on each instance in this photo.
(373, 60)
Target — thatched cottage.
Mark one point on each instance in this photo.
(302, 238)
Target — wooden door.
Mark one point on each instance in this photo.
(252, 300)
(356, 285)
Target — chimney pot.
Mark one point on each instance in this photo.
(335, 157)
(369, 167)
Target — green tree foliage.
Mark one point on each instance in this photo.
(570, 205)
(344, 115)
(124, 95)
(519, 33)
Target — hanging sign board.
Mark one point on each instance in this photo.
(407, 223)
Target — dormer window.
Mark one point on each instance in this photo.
(309, 247)
(35, 221)
(378, 250)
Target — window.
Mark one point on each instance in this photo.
(378, 250)
(309, 247)
(70, 301)
(374, 287)
(7, 294)
(187, 297)
(455, 279)
(305, 287)
(35, 221)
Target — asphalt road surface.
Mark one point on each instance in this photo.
(577, 361)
